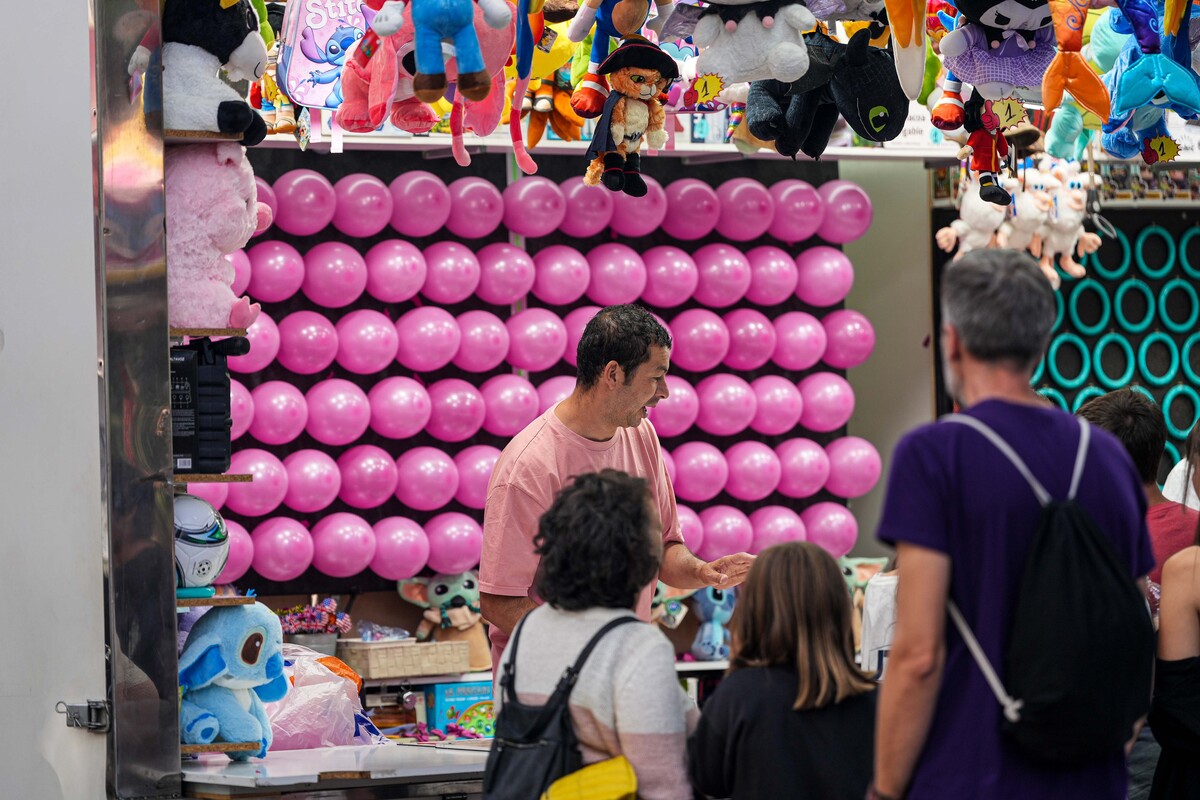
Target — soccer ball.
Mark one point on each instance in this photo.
(201, 542)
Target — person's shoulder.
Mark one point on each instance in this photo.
(526, 451)
(1182, 566)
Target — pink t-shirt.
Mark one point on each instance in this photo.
(1172, 528)
(529, 474)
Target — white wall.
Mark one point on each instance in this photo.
(50, 531)
(893, 288)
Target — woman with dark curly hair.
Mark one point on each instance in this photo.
(599, 545)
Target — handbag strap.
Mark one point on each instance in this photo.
(508, 681)
(566, 683)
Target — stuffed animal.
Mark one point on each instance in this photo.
(714, 607)
(212, 210)
(907, 20)
(986, 147)
(451, 604)
(1028, 213)
(976, 226)
(667, 608)
(1143, 89)
(200, 39)
(1063, 235)
(614, 19)
(232, 664)
(639, 71)
(999, 45)
(754, 41)
(1069, 71)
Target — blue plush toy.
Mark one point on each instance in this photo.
(231, 664)
(714, 607)
(1143, 89)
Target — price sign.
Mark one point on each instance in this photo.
(1165, 147)
(1010, 112)
(707, 87)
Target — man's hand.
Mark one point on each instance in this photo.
(726, 572)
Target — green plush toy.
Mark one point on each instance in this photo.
(933, 68)
(264, 27)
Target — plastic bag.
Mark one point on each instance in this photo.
(322, 709)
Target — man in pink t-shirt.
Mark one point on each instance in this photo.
(622, 362)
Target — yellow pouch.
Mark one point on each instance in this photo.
(611, 779)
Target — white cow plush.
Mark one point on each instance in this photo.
(976, 226)
(1063, 235)
(757, 41)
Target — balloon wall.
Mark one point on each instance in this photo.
(412, 325)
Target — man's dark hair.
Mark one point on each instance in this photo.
(595, 543)
(1137, 421)
(623, 334)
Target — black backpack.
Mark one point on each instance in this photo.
(1080, 652)
(535, 745)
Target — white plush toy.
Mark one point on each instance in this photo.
(1063, 235)
(754, 41)
(1029, 211)
(976, 226)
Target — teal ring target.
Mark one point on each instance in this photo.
(1185, 358)
(1119, 306)
(1184, 241)
(1126, 258)
(1085, 394)
(1054, 395)
(1142, 390)
(1130, 361)
(1052, 363)
(1189, 290)
(1172, 370)
(1168, 265)
(1059, 312)
(1172, 395)
(1038, 372)
(1105, 307)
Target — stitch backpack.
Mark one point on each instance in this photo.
(313, 44)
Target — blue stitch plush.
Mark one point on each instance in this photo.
(714, 607)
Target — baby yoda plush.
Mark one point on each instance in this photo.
(451, 604)
(231, 664)
(667, 608)
(714, 607)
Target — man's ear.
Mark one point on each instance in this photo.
(613, 374)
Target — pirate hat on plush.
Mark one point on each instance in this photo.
(636, 51)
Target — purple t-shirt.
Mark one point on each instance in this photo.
(951, 490)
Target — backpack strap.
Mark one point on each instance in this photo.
(1011, 706)
(1043, 496)
(1085, 436)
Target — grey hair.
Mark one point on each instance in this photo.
(1001, 305)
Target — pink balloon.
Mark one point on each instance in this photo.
(676, 413)
(395, 271)
(639, 216)
(671, 276)
(724, 275)
(537, 339)
(727, 404)
(754, 471)
(314, 481)
(751, 339)
(280, 412)
(400, 408)
(276, 271)
(691, 527)
(364, 205)
(668, 463)
(335, 275)
(828, 402)
(343, 545)
(726, 531)
(746, 209)
(484, 341)
(575, 322)
(851, 339)
(401, 549)
(214, 493)
(800, 341)
(367, 341)
(476, 208)
(241, 272)
(534, 206)
(692, 209)
(830, 526)
(455, 543)
(825, 276)
(458, 410)
(847, 212)
(702, 471)
(775, 525)
(589, 210)
(426, 478)
(506, 272)
(799, 210)
(562, 275)
(369, 476)
(308, 342)
(428, 338)
(264, 344)
(266, 492)
(241, 553)
(772, 276)
(420, 203)
(338, 412)
(306, 202)
(265, 194)
(554, 390)
(512, 403)
(854, 467)
(701, 340)
(452, 272)
(779, 405)
(241, 409)
(283, 549)
(475, 465)
(618, 274)
(805, 468)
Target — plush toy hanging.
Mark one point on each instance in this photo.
(1069, 70)
(907, 20)
(986, 147)
(754, 41)
(638, 72)
(1063, 235)
(1028, 214)
(999, 45)
(614, 19)
(451, 604)
(1144, 88)
(976, 226)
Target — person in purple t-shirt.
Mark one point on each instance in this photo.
(962, 519)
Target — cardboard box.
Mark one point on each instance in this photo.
(468, 704)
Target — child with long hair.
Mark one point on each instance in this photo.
(794, 717)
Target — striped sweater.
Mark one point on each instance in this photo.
(627, 700)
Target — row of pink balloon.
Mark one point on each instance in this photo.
(343, 544)
(419, 203)
(722, 530)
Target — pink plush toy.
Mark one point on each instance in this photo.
(212, 210)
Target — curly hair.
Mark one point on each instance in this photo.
(623, 334)
(595, 543)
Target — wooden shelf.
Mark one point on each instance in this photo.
(203, 602)
(192, 137)
(200, 477)
(197, 333)
(219, 747)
